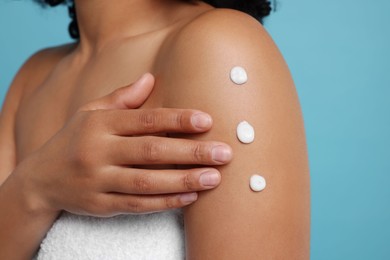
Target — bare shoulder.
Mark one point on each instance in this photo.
(225, 23)
(221, 39)
(219, 31)
(39, 65)
(31, 74)
(271, 224)
(34, 71)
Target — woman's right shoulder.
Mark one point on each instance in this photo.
(39, 65)
(33, 73)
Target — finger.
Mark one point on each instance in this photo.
(130, 204)
(140, 181)
(164, 150)
(132, 96)
(159, 120)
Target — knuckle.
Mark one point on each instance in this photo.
(143, 183)
(86, 145)
(199, 152)
(92, 119)
(82, 157)
(148, 120)
(188, 182)
(170, 202)
(85, 156)
(133, 205)
(179, 119)
(151, 150)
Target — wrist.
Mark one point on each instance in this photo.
(30, 195)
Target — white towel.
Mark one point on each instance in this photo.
(141, 237)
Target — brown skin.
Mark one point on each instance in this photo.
(190, 49)
(232, 222)
(66, 173)
(55, 160)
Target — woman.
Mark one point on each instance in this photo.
(191, 48)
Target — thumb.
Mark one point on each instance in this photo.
(128, 97)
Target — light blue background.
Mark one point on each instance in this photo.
(339, 55)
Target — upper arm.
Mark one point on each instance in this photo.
(233, 222)
(7, 123)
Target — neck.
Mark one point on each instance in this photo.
(102, 21)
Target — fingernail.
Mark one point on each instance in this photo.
(210, 178)
(221, 154)
(201, 120)
(188, 198)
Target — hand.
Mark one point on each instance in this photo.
(85, 167)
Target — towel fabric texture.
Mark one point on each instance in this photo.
(142, 237)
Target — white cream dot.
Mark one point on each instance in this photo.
(238, 75)
(257, 183)
(245, 132)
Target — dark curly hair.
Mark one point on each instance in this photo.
(256, 8)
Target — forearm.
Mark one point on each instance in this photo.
(22, 225)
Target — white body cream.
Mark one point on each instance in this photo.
(257, 183)
(238, 75)
(245, 132)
